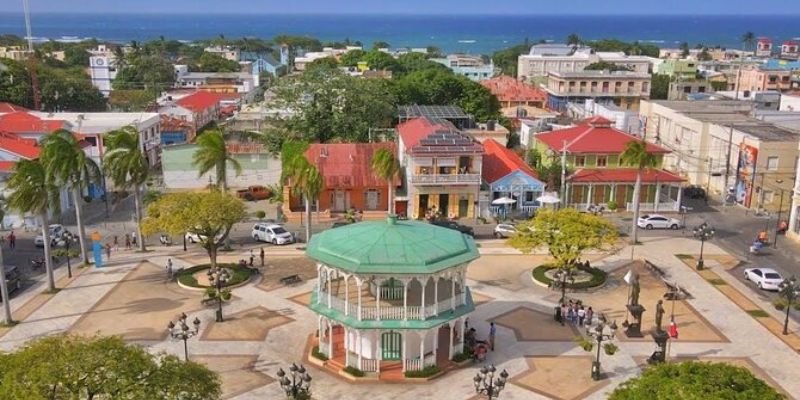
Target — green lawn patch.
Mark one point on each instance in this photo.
(238, 274)
(598, 277)
(717, 282)
(758, 313)
(684, 256)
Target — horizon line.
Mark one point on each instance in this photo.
(406, 14)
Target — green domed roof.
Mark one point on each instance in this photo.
(392, 247)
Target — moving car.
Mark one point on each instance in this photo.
(56, 231)
(13, 279)
(455, 226)
(254, 193)
(504, 230)
(764, 278)
(271, 233)
(656, 221)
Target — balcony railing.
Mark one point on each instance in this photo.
(441, 179)
(397, 313)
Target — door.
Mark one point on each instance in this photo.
(463, 207)
(338, 201)
(444, 205)
(372, 199)
(422, 207)
(391, 346)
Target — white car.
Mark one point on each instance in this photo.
(504, 230)
(271, 233)
(764, 278)
(656, 221)
(56, 231)
(192, 237)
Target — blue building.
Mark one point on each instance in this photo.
(264, 63)
(508, 177)
(473, 67)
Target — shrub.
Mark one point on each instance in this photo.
(354, 371)
(610, 348)
(426, 372)
(598, 277)
(238, 273)
(612, 205)
(464, 356)
(584, 343)
(261, 214)
(780, 304)
(316, 354)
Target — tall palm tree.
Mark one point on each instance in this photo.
(748, 39)
(33, 192)
(387, 167)
(213, 154)
(69, 166)
(304, 177)
(636, 155)
(126, 166)
(7, 318)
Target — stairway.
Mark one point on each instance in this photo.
(392, 371)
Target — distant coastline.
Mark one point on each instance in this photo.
(477, 34)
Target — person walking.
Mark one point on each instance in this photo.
(492, 332)
(563, 313)
(589, 316)
(12, 240)
(108, 251)
(169, 268)
(127, 241)
(261, 254)
(252, 258)
(581, 316)
(558, 316)
(133, 239)
(116, 243)
(571, 315)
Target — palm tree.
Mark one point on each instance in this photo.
(748, 39)
(212, 153)
(305, 179)
(7, 318)
(69, 166)
(127, 167)
(573, 39)
(386, 166)
(636, 155)
(32, 191)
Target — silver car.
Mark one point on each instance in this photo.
(504, 230)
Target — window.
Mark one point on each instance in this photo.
(602, 161)
(528, 197)
(769, 196)
(772, 163)
(580, 161)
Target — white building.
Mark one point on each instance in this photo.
(228, 53)
(546, 58)
(790, 102)
(625, 120)
(102, 68)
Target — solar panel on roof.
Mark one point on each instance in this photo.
(443, 112)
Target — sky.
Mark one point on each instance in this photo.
(589, 7)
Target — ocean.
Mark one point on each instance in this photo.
(452, 33)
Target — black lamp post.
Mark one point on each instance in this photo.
(600, 334)
(182, 331)
(68, 238)
(789, 289)
(299, 384)
(218, 278)
(487, 385)
(564, 276)
(780, 209)
(703, 232)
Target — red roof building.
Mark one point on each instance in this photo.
(6, 108)
(593, 135)
(424, 135)
(200, 101)
(19, 148)
(511, 92)
(21, 122)
(199, 108)
(509, 176)
(499, 161)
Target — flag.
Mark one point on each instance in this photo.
(628, 278)
(673, 330)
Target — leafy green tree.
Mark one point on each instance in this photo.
(33, 191)
(507, 59)
(303, 177)
(11, 40)
(60, 89)
(412, 62)
(208, 62)
(76, 56)
(143, 71)
(634, 48)
(684, 47)
(323, 63)
(352, 58)
(604, 65)
(695, 380)
(378, 60)
(636, 155)
(659, 87)
(126, 166)
(212, 153)
(749, 40)
(74, 367)
(573, 39)
(387, 167)
(704, 55)
(442, 87)
(380, 44)
(68, 165)
(303, 42)
(209, 215)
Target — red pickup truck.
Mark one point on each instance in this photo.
(254, 193)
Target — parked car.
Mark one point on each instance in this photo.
(455, 226)
(656, 221)
(192, 237)
(504, 230)
(254, 193)
(764, 278)
(56, 232)
(13, 279)
(272, 233)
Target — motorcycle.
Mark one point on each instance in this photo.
(756, 247)
(165, 240)
(37, 263)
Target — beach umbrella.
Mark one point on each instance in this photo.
(548, 198)
(503, 201)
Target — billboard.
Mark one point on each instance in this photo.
(745, 174)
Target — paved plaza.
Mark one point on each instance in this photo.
(267, 324)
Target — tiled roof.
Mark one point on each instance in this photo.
(6, 108)
(790, 43)
(23, 122)
(347, 165)
(24, 148)
(200, 101)
(7, 166)
(622, 175)
(592, 136)
(498, 161)
(435, 136)
(169, 123)
(507, 88)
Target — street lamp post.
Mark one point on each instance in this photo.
(778, 223)
(68, 238)
(218, 278)
(600, 334)
(300, 383)
(487, 385)
(182, 331)
(562, 277)
(789, 289)
(703, 232)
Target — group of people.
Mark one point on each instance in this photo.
(574, 313)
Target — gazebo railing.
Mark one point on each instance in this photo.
(414, 364)
(392, 293)
(372, 312)
(369, 365)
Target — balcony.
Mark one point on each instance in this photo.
(441, 179)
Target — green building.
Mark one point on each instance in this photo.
(679, 69)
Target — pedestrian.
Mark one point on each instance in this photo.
(589, 315)
(133, 239)
(169, 268)
(261, 254)
(563, 313)
(559, 318)
(581, 316)
(127, 241)
(252, 258)
(12, 240)
(116, 243)
(108, 251)
(571, 315)
(492, 332)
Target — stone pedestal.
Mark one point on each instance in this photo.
(634, 328)
(660, 355)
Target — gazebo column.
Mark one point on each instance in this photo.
(330, 339)
(422, 336)
(436, 294)
(347, 295)
(403, 357)
(330, 289)
(359, 283)
(680, 197)
(378, 354)
(453, 325)
(319, 332)
(422, 309)
(452, 292)
(589, 196)
(359, 347)
(346, 347)
(319, 282)
(378, 299)
(462, 327)
(658, 197)
(435, 343)
(405, 306)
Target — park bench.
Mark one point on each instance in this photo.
(291, 279)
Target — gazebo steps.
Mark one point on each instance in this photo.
(392, 371)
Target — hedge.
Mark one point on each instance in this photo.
(426, 372)
(238, 273)
(598, 277)
(466, 355)
(354, 371)
(316, 354)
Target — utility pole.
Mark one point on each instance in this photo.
(727, 168)
(564, 174)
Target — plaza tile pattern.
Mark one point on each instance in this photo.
(561, 378)
(238, 373)
(252, 324)
(531, 325)
(279, 267)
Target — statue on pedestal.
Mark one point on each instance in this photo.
(634, 298)
(659, 315)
